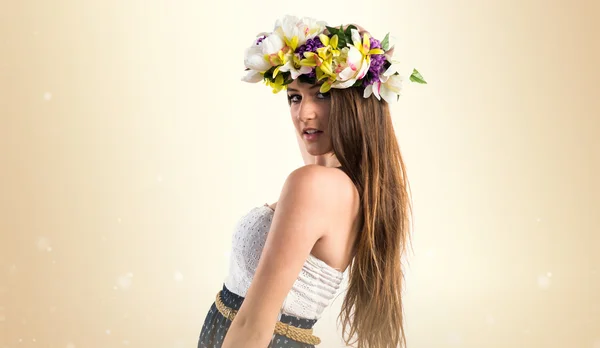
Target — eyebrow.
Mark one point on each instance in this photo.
(295, 90)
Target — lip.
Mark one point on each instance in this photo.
(311, 137)
(309, 128)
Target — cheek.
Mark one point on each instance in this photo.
(294, 119)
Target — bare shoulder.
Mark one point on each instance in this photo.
(309, 209)
(328, 181)
(327, 188)
(324, 186)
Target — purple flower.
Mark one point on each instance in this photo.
(375, 69)
(374, 43)
(311, 45)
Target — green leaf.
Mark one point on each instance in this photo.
(332, 30)
(385, 44)
(348, 31)
(416, 77)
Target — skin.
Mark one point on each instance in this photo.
(309, 108)
(316, 214)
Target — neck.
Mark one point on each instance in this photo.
(327, 160)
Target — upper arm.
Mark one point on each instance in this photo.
(303, 216)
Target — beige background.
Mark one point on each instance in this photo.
(129, 147)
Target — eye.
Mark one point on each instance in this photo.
(323, 95)
(294, 98)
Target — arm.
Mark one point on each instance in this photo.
(303, 215)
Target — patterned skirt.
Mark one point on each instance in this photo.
(216, 325)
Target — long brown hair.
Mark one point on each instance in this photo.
(364, 142)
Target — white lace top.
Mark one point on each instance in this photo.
(317, 282)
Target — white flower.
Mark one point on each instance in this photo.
(354, 68)
(389, 89)
(286, 25)
(252, 77)
(254, 56)
(272, 44)
(311, 28)
(294, 30)
(290, 63)
(287, 28)
(254, 59)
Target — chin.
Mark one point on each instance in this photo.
(317, 151)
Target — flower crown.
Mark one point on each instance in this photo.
(311, 51)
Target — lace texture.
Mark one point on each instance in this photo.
(312, 291)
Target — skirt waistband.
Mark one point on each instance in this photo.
(234, 301)
(300, 329)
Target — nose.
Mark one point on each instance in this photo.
(307, 111)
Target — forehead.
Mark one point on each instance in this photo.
(302, 86)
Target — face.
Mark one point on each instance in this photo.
(310, 113)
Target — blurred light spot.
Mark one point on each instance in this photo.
(12, 269)
(596, 344)
(43, 243)
(159, 178)
(2, 318)
(70, 345)
(126, 342)
(543, 282)
(430, 253)
(539, 220)
(549, 274)
(119, 220)
(490, 320)
(48, 96)
(454, 339)
(178, 276)
(124, 282)
(33, 339)
(179, 344)
(108, 332)
(526, 331)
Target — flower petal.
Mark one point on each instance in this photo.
(355, 38)
(272, 44)
(377, 89)
(364, 69)
(368, 91)
(255, 60)
(252, 77)
(344, 84)
(388, 95)
(325, 87)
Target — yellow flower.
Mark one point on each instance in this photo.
(277, 85)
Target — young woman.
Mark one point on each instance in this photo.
(348, 209)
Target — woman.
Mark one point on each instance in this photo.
(347, 209)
